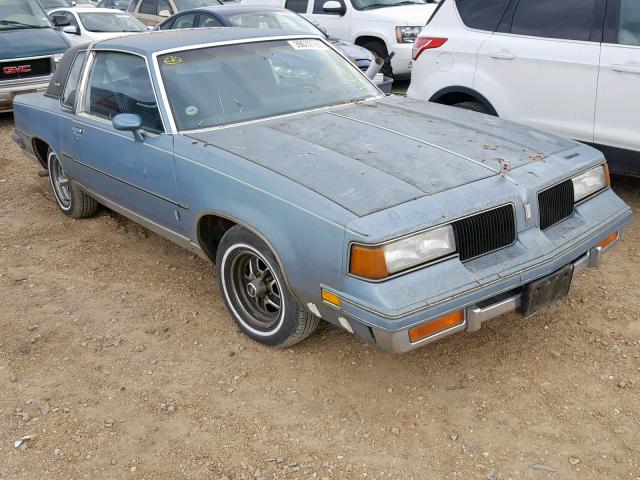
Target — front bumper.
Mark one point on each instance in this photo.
(502, 294)
(8, 90)
(402, 63)
(476, 314)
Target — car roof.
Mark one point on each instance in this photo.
(86, 10)
(225, 10)
(149, 42)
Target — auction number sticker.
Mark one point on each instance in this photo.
(172, 60)
(308, 45)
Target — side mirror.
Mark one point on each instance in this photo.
(71, 29)
(60, 21)
(129, 122)
(334, 7)
(164, 13)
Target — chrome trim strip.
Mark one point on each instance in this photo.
(129, 184)
(169, 234)
(7, 60)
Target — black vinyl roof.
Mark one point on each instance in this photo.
(56, 85)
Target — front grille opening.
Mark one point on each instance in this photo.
(17, 69)
(485, 232)
(556, 204)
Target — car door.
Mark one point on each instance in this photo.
(618, 100)
(337, 24)
(541, 66)
(136, 175)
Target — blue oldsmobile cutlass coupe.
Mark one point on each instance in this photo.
(315, 196)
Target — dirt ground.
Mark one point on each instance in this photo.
(117, 355)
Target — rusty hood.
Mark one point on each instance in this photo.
(374, 155)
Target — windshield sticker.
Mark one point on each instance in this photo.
(308, 45)
(172, 60)
(191, 110)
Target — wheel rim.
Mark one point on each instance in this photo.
(256, 289)
(59, 182)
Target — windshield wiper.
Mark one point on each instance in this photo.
(19, 24)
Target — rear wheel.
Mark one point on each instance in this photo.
(473, 106)
(255, 292)
(71, 199)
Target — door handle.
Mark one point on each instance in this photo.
(76, 130)
(503, 55)
(626, 68)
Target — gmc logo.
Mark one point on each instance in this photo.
(17, 69)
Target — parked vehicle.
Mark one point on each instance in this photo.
(152, 12)
(116, 4)
(90, 24)
(316, 196)
(30, 49)
(571, 67)
(52, 4)
(381, 26)
(270, 18)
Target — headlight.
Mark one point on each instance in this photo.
(382, 261)
(590, 182)
(407, 34)
(57, 57)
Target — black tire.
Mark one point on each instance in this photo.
(71, 199)
(379, 49)
(473, 106)
(240, 255)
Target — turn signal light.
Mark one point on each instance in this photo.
(609, 240)
(436, 326)
(331, 298)
(368, 262)
(607, 175)
(426, 43)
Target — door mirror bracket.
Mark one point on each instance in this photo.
(129, 122)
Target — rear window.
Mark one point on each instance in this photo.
(482, 14)
(565, 19)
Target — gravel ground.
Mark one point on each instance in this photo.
(118, 357)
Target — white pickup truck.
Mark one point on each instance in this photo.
(382, 26)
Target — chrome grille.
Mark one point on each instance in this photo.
(485, 232)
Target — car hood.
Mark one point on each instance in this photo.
(31, 42)
(416, 15)
(374, 155)
(351, 51)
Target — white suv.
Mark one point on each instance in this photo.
(381, 26)
(571, 67)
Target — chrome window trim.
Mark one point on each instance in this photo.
(81, 102)
(70, 108)
(165, 98)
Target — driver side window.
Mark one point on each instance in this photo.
(629, 31)
(120, 83)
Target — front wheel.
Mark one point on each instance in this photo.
(255, 292)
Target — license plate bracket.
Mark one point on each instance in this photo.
(541, 293)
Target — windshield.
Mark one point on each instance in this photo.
(187, 4)
(372, 4)
(56, 3)
(215, 86)
(111, 22)
(274, 20)
(16, 14)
